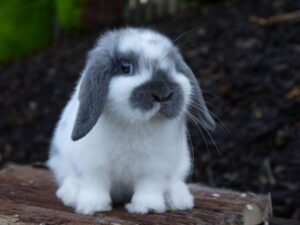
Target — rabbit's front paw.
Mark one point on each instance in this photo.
(179, 196)
(144, 204)
(68, 191)
(91, 201)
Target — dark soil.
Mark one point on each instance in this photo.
(250, 75)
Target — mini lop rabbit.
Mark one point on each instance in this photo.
(122, 135)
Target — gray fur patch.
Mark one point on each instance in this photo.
(131, 57)
(159, 89)
(94, 87)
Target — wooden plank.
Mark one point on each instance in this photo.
(27, 196)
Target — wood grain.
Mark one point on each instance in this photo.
(27, 196)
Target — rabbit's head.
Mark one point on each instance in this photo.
(137, 75)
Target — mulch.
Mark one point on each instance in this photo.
(250, 76)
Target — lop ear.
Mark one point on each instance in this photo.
(198, 106)
(92, 95)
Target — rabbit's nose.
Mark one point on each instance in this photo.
(162, 97)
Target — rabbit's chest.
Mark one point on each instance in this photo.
(129, 153)
(131, 160)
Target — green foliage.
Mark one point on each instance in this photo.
(69, 13)
(28, 25)
(25, 26)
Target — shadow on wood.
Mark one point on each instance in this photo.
(27, 196)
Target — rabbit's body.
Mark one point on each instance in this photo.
(132, 151)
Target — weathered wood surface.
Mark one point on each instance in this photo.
(27, 196)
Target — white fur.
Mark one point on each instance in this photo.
(152, 44)
(128, 152)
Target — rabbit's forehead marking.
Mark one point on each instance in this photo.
(147, 44)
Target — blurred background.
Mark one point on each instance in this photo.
(245, 54)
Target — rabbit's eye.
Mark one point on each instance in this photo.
(126, 67)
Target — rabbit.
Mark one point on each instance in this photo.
(122, 137)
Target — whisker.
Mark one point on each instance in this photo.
(222, 123)
(194, 119)
(185, 42)
(214, 115)
(218, 149)
(208, 92)
(186, 33)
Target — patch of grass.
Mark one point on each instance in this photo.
(25, 26)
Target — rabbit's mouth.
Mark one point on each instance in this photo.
(158, 99)
(162, 110)
(159, 95)
(170, 110)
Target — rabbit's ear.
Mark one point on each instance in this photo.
(92, 95)
(197, 105)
